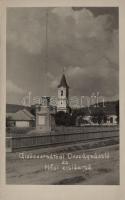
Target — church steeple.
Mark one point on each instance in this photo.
(63, 82)
(63, 95)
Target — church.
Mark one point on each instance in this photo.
(63, 95)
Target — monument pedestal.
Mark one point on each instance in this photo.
(45, 121)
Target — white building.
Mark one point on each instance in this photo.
(112, 119)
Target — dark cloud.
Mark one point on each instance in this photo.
(112, 11)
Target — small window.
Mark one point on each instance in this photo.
(61, 92)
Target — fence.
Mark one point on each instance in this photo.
(35, 141)
(84, 129)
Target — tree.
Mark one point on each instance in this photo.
(69, 119)
(99, 116)
(62, 118)
(76, 116)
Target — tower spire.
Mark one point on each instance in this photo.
(63, 94)
(63, 70)
(63, 82)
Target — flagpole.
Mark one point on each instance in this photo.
(46, 52)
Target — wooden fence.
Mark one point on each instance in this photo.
(35, 141)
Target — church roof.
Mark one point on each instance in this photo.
(63, 82)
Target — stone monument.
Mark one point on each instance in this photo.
(45, 121)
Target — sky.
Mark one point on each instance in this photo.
(84, 42)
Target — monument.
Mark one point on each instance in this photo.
(45, 121)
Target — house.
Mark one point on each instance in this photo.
(21, 118)
(112, 119)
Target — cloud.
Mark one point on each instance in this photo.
(74, 71)
(13, 88)
(54, 84)
(50, 76)
(87, 45)
(26, 30)
(53, 81)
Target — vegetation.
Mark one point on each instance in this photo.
(62, 118)
(99, 116)
(68, 119)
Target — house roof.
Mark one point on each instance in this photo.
(13, 108)
(63, 82)
(21, 115)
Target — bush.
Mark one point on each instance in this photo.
(99, 116)
(62, 118)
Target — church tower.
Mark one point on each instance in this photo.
(63, 95)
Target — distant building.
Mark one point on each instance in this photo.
(87, 120)
(98, 115)
(112, 119)
(84, 120)
(63, 95)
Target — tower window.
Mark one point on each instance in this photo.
(61, 92)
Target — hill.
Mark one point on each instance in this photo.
(110, 108)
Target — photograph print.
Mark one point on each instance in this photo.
(62, 95)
